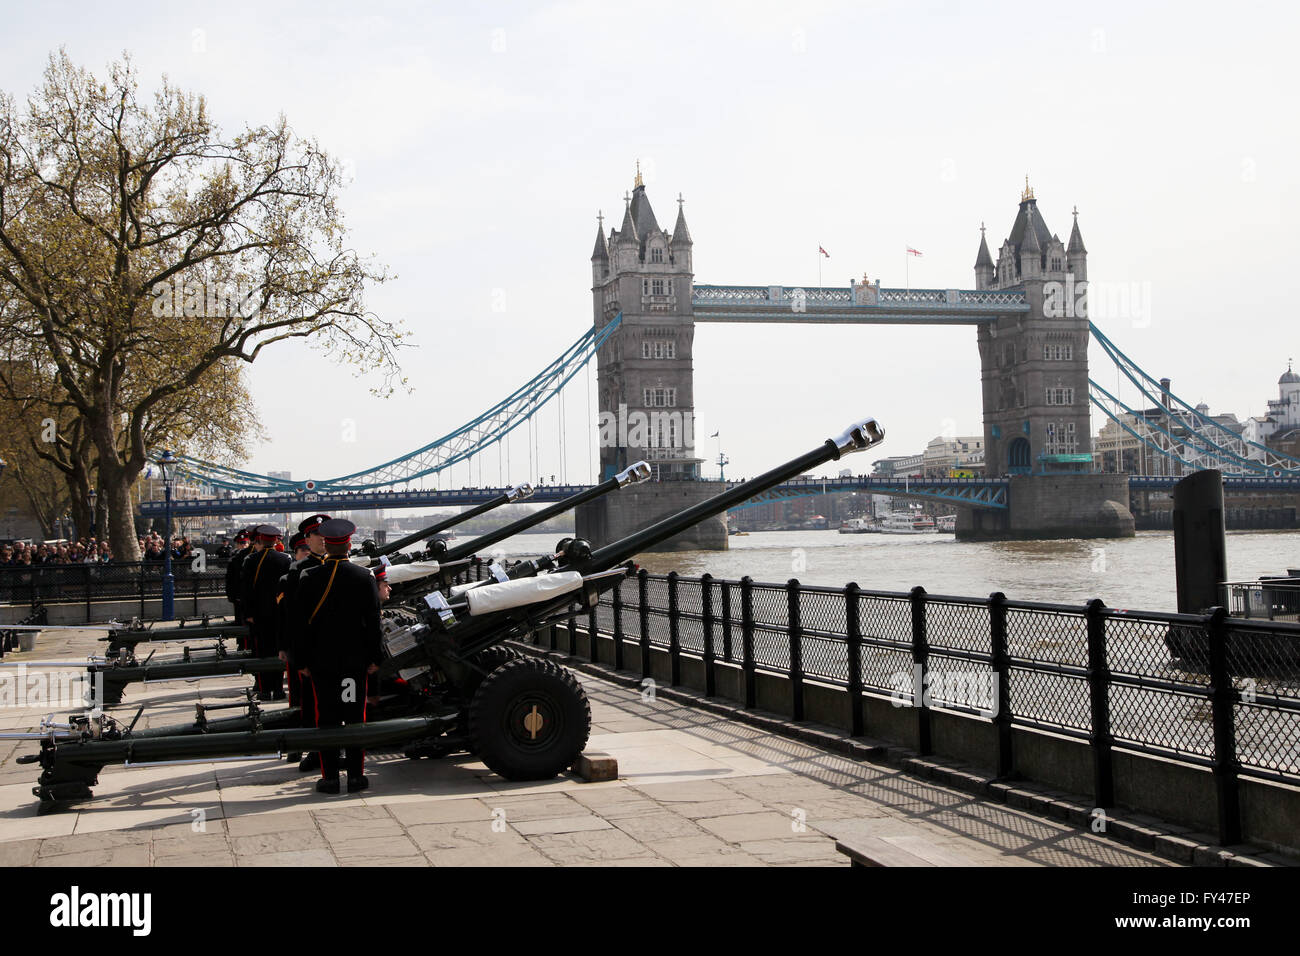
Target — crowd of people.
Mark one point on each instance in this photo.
(89, 550)
(84, 551)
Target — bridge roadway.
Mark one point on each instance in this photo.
(989, 493)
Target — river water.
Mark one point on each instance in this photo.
(1135, 573)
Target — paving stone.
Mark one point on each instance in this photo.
(651, 828)
(631, 862)
(134, 855)
(90, 842)
(700, 846)
(716, 808)
(19, 852)
(448, 836)
(264, 844)
(248, 824)
(615, 802)
(440, 811)
(346, 815)
(289, 858)
(565, 848)
(741, 827)
(395, 846)
(200, 860)
(572, 824)
(385, 860)
(792, 850)
(541, 806)
(695, 791)
(514, 854)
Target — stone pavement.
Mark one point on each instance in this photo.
(694, 790)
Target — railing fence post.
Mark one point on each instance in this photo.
(1223, 699)
(747, 638)
(618, 626)
(591, 631)
(674, 633)
(706, 628)
(794, 620)
(1001, 702)
(853, 633)
(920, 671)
(643, 597)
(1103, 771)
(726, 622)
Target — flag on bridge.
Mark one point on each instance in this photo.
(823, 252)
(913, 252)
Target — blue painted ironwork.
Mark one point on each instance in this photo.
(976, 492)
(990, 493)
(1203, 442)
(456, 446)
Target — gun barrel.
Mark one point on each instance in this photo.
(635, 473)
(859, 436)
(517, 493)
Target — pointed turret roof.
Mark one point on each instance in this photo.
(681, 235)
(1076, 246)
(1029, 242)
(628, 229)
(601, 251)
(642, 214)
(983, 259)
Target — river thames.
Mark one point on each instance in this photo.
(1135, 573)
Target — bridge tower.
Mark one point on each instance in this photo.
(1034, 374)
(645, 374)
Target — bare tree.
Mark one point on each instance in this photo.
(145, 254)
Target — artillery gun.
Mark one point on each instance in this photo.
(453, 683)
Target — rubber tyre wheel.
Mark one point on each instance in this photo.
(488, 659)
(529, 719)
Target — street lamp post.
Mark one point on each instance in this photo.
(90, 502)
(167, 464)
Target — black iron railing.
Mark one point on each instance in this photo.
(1208, 690)
(47, 584)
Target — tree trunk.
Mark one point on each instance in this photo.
(121, 517)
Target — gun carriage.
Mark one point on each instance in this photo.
(448, 682)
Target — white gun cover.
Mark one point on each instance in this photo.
(411, 571)
(499, 597)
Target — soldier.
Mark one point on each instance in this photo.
(381, 579)
(234, 593)
(260, 575)
(309, 549)
(337, 644)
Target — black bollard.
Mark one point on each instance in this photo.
(1200, 550)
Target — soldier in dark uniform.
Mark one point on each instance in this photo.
(260, 575)
(234, 588)
(337, 644)
(308, 547)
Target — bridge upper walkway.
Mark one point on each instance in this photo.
(867, 305)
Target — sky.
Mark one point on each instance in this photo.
(482, 140)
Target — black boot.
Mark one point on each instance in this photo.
(294, 757)
(310, 762)
(329, 785)
(358, 783)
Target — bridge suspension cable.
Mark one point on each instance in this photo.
(459, 445)
(1192, 438)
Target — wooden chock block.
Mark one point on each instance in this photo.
(595, 767)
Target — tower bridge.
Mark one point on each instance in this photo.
(1029, 313)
